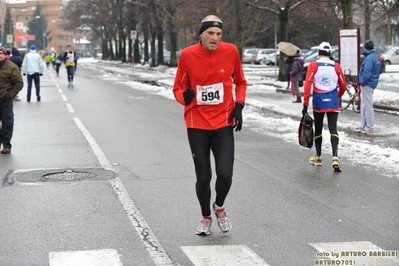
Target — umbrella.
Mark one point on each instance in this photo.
(288, 48)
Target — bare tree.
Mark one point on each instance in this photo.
(281, 9)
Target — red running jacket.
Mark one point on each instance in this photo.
(218, 81)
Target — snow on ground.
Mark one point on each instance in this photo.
(365, 152)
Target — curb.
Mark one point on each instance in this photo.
(376, 106)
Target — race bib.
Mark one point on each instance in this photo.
(71, 58)
(210, 94)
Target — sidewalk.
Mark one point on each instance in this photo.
(261, 95)
(376, 106)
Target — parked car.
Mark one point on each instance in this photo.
(262, 56)
(391, 55)
(247, 54)
(335, 56)
(274, 57)
(313, 50)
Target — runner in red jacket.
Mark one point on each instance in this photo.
(210, 83)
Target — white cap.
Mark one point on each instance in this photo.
(325, 46)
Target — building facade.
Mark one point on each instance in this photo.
(55, 37)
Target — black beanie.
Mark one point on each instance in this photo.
(210, 23)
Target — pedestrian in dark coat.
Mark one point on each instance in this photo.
(289, 60)
(10, 84)
(296, 75)
(16, 57)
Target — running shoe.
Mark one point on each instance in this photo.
(205, 226)
(224, 223)
(336, 165)
(315, 160)
(368, 131)
(359, 129)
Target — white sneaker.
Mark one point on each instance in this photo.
(224, 223)
(205, 227)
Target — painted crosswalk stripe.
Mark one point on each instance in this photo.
(230, 255)
(357, 253)
(101, 257)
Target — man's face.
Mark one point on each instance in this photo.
(211, 38)
(2, 56)
(69, 48)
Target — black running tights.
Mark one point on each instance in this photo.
(332, 118)
(221, 143)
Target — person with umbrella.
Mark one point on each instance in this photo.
(290, 50)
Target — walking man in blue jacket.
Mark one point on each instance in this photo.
(368, 80)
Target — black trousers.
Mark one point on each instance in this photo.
(221, 143)
(7, 121)
(332, 118)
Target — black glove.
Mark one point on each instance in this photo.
(237, 114)
(24, 74)
(188, 96)
(304, 110)
(40, 74)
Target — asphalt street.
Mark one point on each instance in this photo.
(102, 175)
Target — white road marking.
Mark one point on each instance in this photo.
(357, 253)
(101, 257)
(93, 144)
(64, 98)
(59, 90)
(70, 109)
(151, 243)
(229, 255)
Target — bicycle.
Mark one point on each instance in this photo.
(351, 97)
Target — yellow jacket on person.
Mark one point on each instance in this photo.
(47, 58)
(69, 58)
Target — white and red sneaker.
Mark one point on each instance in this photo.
(224, 223)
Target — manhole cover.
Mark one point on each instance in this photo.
(69, 176)
(58, 175)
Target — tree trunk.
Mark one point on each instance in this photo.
(160, 39)
(367, 20)
(172, 29)
(239, 26)
(146, 18)
(347, 11)
(136, 56)
(283, 36)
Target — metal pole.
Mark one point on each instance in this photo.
(275, 50)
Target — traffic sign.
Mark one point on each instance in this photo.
(133, 34)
